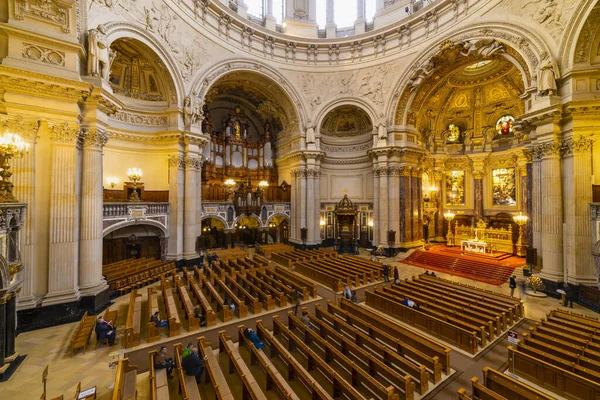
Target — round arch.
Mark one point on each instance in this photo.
(125, 224)
(215, 216)
(576, 43)
(204, 80)
(523, 48)
(120, 30)
(285, 216)
(364, 105)
(249, 216)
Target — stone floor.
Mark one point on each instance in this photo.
(51, 347)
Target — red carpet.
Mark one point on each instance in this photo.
(484, 268)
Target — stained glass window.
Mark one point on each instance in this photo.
(504, 190)
(455, 188)
(504, 126)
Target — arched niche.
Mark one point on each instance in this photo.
(138, 240)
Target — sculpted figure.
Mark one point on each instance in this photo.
(547, 76)
(188, 112)
(483, 47)
(99, 55)
(382, 132)
(310, 135)
(421, 74)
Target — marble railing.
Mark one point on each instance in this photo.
(220, 211)
(118, 215)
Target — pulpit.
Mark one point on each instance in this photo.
(347, 227)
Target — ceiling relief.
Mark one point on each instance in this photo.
(346, 121)
(134, 73)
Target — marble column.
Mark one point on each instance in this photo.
(394, 199)
(91, 281)
(577, 173)
(302, 184)
(317, 205)
(529, 205)
(383, 207)
(536, 208)
(176, 200)
(359, 24)
(65, 192)
(478, 194)
(190, 223)
(312, 215)
(551, 212)
(2, 334)
(11, 327)
(270, 19)
(293, 206)
(376, 211)
(24, 190)
(330, 27)
(417, 204)
(438, 177)
(405, 190)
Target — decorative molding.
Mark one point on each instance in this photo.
(26, 128)
(346, 149)
(479, 174)
(577, 146)
(42, 85)
(43, 54)
(54, 12)
(94, 137)
(177, 160)
(547, 150)
(138, 119)
(358, 160)
(405, 171)
(64, 133)
(194, 163)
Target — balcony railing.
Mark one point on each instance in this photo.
(117, 215)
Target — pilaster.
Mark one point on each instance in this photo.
(417, 205)
(478, 176)
(65, 192)
(383, 206)
(376, 211)
(394, 199)
(190, 220)
(405, 227)
(438, 177)
(176, 199)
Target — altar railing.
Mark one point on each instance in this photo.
(498, 239)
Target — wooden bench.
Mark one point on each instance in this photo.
(171, 307)
(251, 302)
(374, 324)
(125, 381)
(187, 383)
(214, 372)
(298, 279)
(81, 336)
(295, 370)
(188, 306)
(205, 307)
(240, 307)
(509, 387)
(159, 388)
(273, 377)
(153, 331)
(250, 388)
(267, 288)
(134, 320)
(110, 316)
(225, 312)
(265, 299)
(296, 287)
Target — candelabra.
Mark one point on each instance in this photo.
(521, 247)
(449, 216)
(134, 175)
(11, 146)
(229, 185)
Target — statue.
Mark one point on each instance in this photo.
(196, 107)
(188, 112)
(547, 76)
(483, 47)
(310, 135)
(382, 132)
(420, 74)
(99, 55)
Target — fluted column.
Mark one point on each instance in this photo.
(405, 218)
(190, 207)
(317, 205)
(536, 206)
(63, 257)
(439, 176)
(311, 213)
(176, 200)
(293, 206)
(529, 203)
(91, 281)
(24, 190)
(577, 171)
(383, 206)
(417, 204)
(551, 211)
(394, 200)
(478, 193)
(302, 190)
(376, 211)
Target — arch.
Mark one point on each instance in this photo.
(204, 80)
(120, 30)
(253, 216)
(524, 49)
(278, 214)
(125, 224)
(575, 43)
(347, 101)
(215, 216)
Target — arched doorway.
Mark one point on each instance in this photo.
(278, 230)
(247, 230)
(213, 234)
(134, 241)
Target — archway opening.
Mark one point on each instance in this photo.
(134, 241)
(213, 234)
(278, 230)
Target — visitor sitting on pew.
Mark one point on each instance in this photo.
(297, 302)
(157, 322)
(104, 330)
(305, 320)
(347, 292)
(161, 361)
(386, 273)
(396, 276)
(193, 365)
(426, 272)
(230, 306)
(354, 297)
(250, 334)
(409, 303)
(188, 349)
(432, 273)
(201, 317)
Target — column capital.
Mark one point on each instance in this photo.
(194, 163)
(438, 175)
(93, 137)
(27, 129)
(405, 171)
(547, 150)
(577, 145)
(417, 172)
(64, 133)
(177, 160)
(479, 174)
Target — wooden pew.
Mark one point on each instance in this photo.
(267, 288)
(509, 387)
(252, 302)
(187, 383)
(298, 288)
(265, 299)
(153, 331)
(81, 336)
(274, 378)
(225, 313)
(250, 388)
(295, 369)
(214, 371)
(188, 306)
(171, 307)
(356, 315)
(358, 375)
(159, 388)
(125, 381)
(205, 307)
(240, 307)
(299, 279)
(134, 320)
(552, 377)
(327, 279)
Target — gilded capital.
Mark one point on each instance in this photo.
(94, 137)
(27, 129)
(194, 163)
(438, 176)
(64, 133)
(479, 174)
(405, 171)
(176, 160)
(417, 172)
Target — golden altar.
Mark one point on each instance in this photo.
(497, 239)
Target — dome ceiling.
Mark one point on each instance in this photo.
(346, 121)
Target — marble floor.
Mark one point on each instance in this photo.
(51, 347)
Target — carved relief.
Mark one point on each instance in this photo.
(93, 137)
(43, 54)
(551, 14)
(55, 12)
(64, 133)
(25, 128)
(138, 119)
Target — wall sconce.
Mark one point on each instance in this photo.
(322, 222)
(370, 223)
(113, 182)
(11, 146)
(134, 175)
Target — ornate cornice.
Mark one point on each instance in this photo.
(359, 160)
(26, 128)
(64, 133)
(589, 108)
(171, 137)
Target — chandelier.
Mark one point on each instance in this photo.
(11, 146)
(134, 175)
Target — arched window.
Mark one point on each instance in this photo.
(321, 11)
(344, 14)
(370, 9)
(256, 8)
(279, 10)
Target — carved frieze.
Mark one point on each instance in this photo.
(55, 12)
(550, 149)
(139, 119)
(346, 149)
(43, 54)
